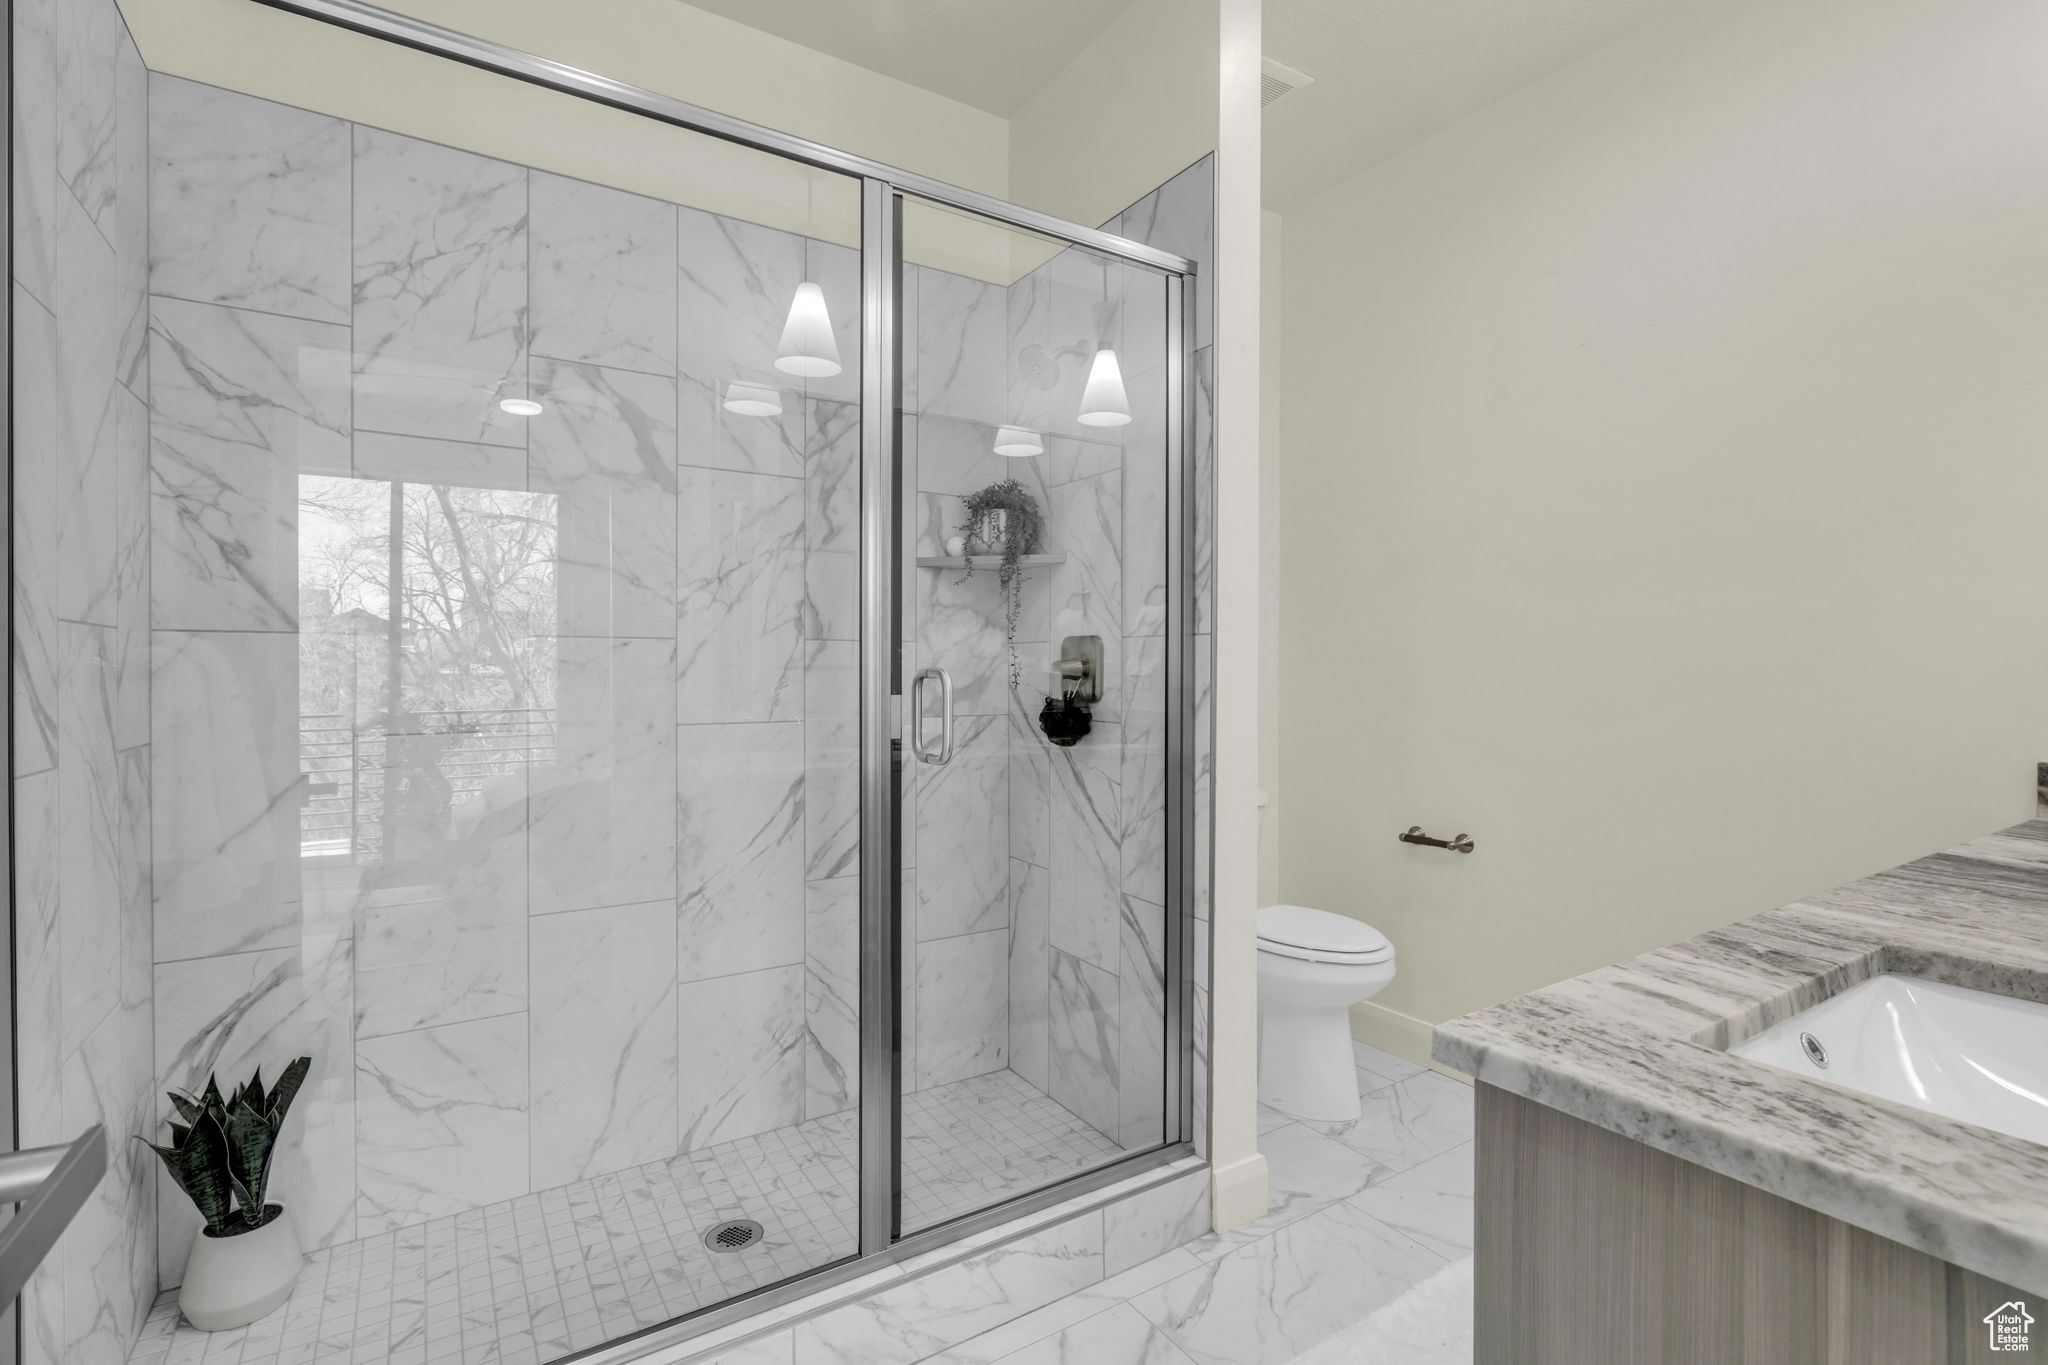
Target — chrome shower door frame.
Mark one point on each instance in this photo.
(881, 681)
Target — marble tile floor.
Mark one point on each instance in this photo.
(1361, 1213)
(532, 1279)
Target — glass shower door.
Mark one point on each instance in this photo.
(1033, 919)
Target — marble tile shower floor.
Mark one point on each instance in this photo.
(535, 1278)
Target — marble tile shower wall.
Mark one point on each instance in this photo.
(1087, 828)
(82, 755)
(608, 911)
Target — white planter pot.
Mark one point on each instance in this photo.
(232, 1281)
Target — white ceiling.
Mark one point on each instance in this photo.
(992, 54)
(1391, 72)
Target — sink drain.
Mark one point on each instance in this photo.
(736, 1235)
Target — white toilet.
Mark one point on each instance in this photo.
(1313, 966)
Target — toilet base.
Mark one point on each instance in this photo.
(1306, 1067)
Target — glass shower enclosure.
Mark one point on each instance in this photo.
(653, 651)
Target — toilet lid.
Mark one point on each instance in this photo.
(1318, 935)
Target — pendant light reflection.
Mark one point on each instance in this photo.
(808, 347)
(753, 400)
(1018, 442)
(521, 407)
(1104, 402)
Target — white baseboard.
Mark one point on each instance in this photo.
(1401, 1034)
(1237, 1192)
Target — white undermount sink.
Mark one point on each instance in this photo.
(1953, 1051)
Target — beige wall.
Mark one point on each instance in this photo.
(1665, 472)
(1133, 109)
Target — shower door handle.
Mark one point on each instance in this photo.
(51, 1184)
(943, 753)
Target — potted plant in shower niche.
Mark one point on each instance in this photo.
(1002, 519)
(246, 1257)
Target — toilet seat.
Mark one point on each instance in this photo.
(1310, 935)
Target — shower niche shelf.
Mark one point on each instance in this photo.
(987, 561)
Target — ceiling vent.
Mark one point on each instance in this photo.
(1276, 80)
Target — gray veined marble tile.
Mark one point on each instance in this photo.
(605, 447)
(1381, 1068)
(225, 784)
(1430, 1204)
(109, 1271)
(227, 1016)
(961, 334)
(961, 627)
(961, 826)
(740, 850)
(249, 202)
(835, 269)
(1031, 758)
(1083, 1052)
(739, 597)
(962, 1016)
(735, 286)
(1306, 1172)
(242, 403)
(832, 521)
(1143, 787)
(1202, 655)
(603, 813)
(441, 1121)
(1202, 490)
(1085, 521)
(1116, 1336)
(1268, 1301)
(1146, 458)
(930, 1313)
(131, 230)
(603, 275)
(1141, 1027)
(90, 830)
(440, 243)
(737, 280)
(444, 942)
(741, 1063)
(1084, 315)
(1408, 1122)
(89, 37)
(1158, 1223)
(832, 760)
(34, 523)
(88, 339)
(604, 1041)
(35, 182)
(39, 956)
(1180, 216)
(1086, 849)
(832, 996)
(1030, 972)
(132, 511)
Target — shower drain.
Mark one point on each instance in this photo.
(737, 1235)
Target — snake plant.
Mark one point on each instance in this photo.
(220, 1149)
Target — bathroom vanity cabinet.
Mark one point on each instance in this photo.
(1594, 1247)
(1646, 1195)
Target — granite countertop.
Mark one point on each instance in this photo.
(1638, 1048)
